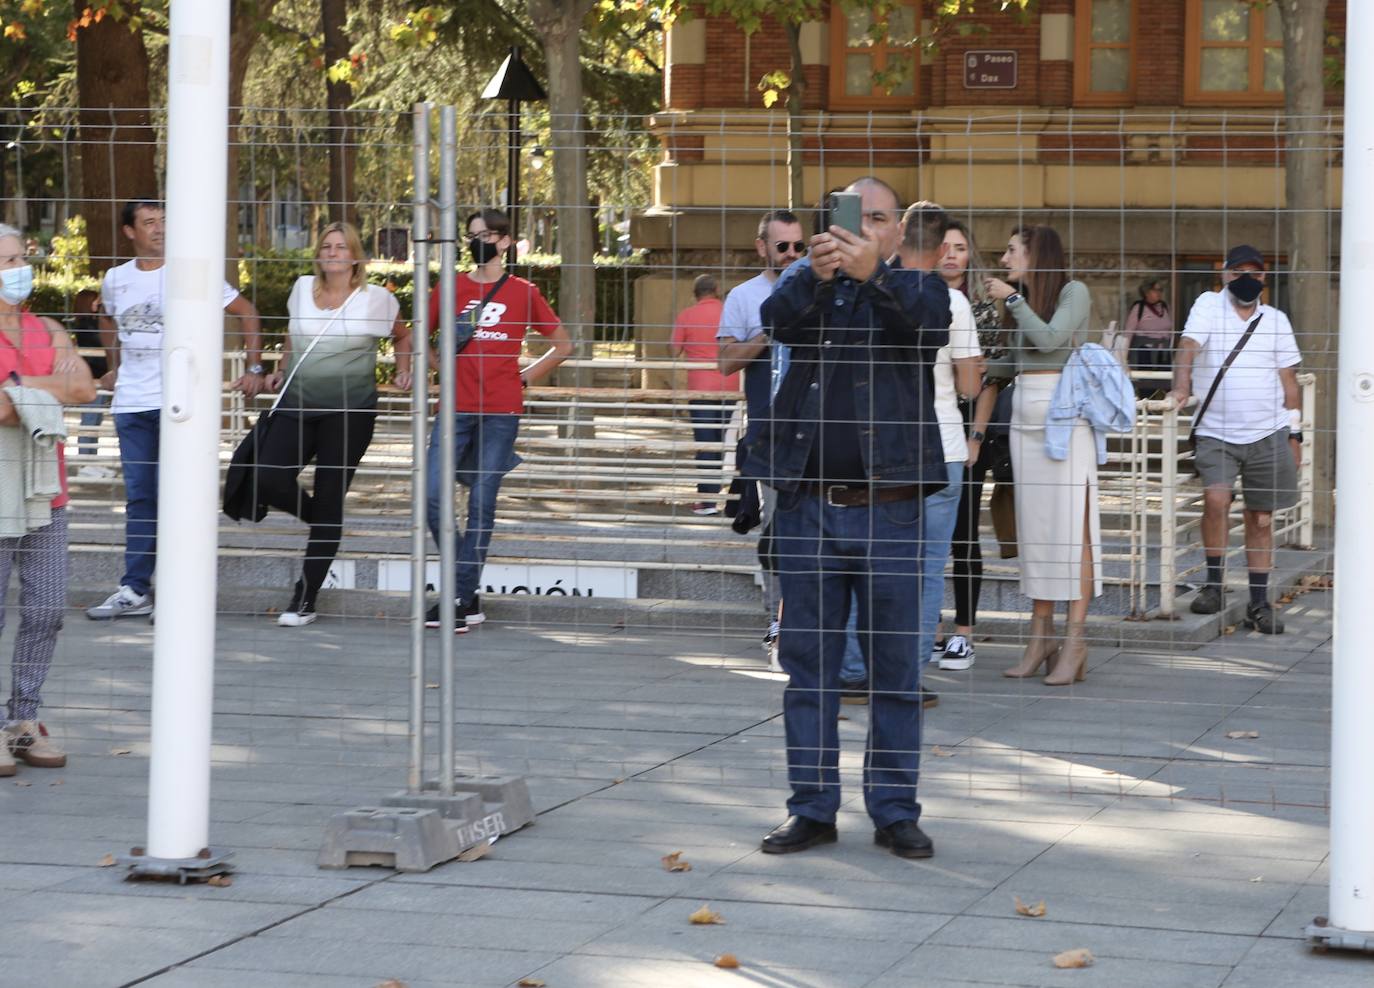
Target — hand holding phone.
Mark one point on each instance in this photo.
(846, 210)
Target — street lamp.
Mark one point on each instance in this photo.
(537, 157)
(516, 84)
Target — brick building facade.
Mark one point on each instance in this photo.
(1151, 134)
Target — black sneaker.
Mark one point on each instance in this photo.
(929, 698)
(472, 614)
(854, 693)
(459, 625)
(1207, 601)
(1263, 618)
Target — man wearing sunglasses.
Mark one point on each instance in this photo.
(745, 347)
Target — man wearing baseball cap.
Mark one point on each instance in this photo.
(1246, 423)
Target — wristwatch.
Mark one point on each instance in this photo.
(1013, 298)
(255, 368)
(976, 437)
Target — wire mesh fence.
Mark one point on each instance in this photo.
(622, 520)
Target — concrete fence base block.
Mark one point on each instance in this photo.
(460, 807)
(505, 796)
(404, 838)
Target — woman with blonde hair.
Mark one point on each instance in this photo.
(327, 406)
(1057, 516)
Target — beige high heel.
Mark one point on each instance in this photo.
(1072, 664)
(1039, 650)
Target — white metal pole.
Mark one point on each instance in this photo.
(419, 555)
(188, 473)
(1352, 664)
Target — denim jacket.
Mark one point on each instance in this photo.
(899, 319)
(1093, 386)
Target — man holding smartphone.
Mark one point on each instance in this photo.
(853, 447)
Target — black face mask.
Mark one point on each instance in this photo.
(1246, 288)
(480, 250)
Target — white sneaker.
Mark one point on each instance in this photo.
(958, 654)
(297, 619)
(95, 471)
(770, 647)
(124, 602)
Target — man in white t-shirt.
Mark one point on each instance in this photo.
(131, 327)
(744, 347)
(1249, 428)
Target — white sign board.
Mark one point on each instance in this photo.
(536, 579)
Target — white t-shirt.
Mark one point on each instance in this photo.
(132, 297)
(963, 342)
(341, 371)
(1249, 404)
(740, 321)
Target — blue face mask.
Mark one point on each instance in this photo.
(16, 284)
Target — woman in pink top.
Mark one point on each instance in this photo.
(34, 353)
(694, 339)
(1150, 335)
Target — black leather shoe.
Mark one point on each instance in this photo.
(929, 698)
(1207, 601)
(905, 839)
(798, 833)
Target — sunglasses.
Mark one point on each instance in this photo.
(797, 245)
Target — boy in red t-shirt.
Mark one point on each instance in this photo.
(489, 402)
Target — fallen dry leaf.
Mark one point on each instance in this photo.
(476, 851)
(390, 983)
(529, 983)
(616, 782)
(1242, 735)
(1078, 957)
(842, 717)
(1036, 910)
(121, 751)
(674, 862)
(107, 861)
(705, 916)
(726, 960)
(431, 686)
(939, 752)
(1286, 599)
(1230, 629)
(22, 783)
(1256, 879)
(57, 783)
(219, 881)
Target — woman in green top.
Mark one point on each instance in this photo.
(329, 406)
(1057, 519)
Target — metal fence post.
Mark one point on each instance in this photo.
(1168, 509)
(448, 260)
(418, 428)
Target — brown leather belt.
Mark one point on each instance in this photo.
(858, 495)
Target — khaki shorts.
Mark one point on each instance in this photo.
(1268, 475)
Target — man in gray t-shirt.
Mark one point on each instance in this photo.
(744, 347)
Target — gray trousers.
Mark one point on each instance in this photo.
(42, 563)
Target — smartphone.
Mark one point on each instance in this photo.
(846, 210)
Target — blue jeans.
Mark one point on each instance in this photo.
(138, 434)
(940, 513)
(937, 530)
(827, 555)
(484, 452)
(708, 426)
(90, 445)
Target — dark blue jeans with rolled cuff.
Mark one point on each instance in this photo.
(708, 427)
(484, 452)
(139, 436)
(827, 555)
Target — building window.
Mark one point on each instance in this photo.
(1235, 53)
(1104, 56)
(874, 65)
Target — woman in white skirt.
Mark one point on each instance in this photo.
(1057, 517)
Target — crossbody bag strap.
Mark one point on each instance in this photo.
(323, 329)
(1225, 366)
(481, 308)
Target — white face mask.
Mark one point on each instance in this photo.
(16, 284)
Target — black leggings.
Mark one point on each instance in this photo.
(966, 549)
(336, 441)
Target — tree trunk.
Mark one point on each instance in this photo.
(796, 96)
(1309, 253)
(333, 16)
(557, 23)
(245, 28)
(118, 147)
